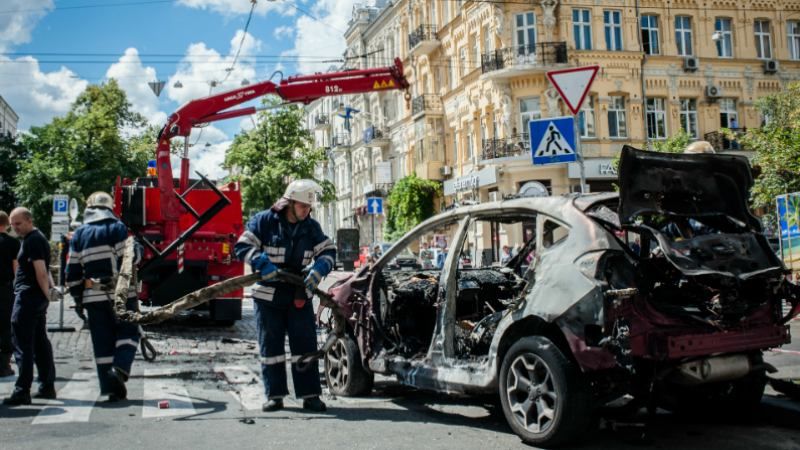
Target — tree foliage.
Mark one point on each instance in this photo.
(777, 147)
(275, 152)
(11, 156)
(409, 203)
(81, 152)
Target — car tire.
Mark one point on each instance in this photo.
(535, 376)
(344, 373)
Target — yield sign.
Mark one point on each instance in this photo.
(573, 84)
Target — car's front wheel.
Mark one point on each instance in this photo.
(543, 396)
(344, 372)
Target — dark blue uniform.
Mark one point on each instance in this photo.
(291, 247)
(9, 248)
(95, 255)
(28, 318)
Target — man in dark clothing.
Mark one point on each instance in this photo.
(32, 286)
(9, 247)
(286, 237)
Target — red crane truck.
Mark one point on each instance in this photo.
(188, 227)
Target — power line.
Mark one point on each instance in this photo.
(87, 6)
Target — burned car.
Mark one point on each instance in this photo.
(580, 316)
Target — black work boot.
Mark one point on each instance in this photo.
(314, 404)
(273, 404)
(18, 398)
(46, 392)
(117, 379)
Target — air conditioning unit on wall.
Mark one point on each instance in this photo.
(770, 66)
(446, 171)
(713, 91)
(691, 64)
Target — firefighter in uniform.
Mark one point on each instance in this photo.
(285, 237)
(95, 255)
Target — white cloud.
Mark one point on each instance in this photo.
(237, 7)
(283, 32)
(206, 159)
(314, 39)
(34, 95)
(203, 65)
(133, 77)
(19, 19)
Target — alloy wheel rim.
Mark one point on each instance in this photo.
(531, 393)
(338, 371)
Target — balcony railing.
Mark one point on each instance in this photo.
(722, 143)
(374, 133)
(503, 148)
(426, 103)
(541, 54)
(421, 34)
(341, 140)
(321, 121)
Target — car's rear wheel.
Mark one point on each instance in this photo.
(344, 372)
(543, 395)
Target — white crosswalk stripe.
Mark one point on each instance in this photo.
(158, 387)
(75, 401)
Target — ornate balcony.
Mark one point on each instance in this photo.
(517, 145)
(340, 140)
(321, 122)
(426, 104)
(423, 40)
(376, 137)
(523, 59)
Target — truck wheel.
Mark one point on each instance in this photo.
(543, 395)
(344, 373)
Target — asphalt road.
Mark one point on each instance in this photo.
(210, 378)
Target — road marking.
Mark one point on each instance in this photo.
(75, 401)
(7, 385)
(246, 384)
(780, 350)
(158, 387)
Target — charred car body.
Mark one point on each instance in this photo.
(578, 318)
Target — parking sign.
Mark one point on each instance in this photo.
(60, 205)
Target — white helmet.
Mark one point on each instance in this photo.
(100, 199)
(303, 191)
(699, 147)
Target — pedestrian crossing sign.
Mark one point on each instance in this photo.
(552, 140)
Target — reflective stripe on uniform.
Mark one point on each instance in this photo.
(100, 256)
(249, 238)
(307, 256)
(104, 360)
(93, 296)
(276, 254)
(264, 292)
(121, 342)
(268, 360)
(325, 245)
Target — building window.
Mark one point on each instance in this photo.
(763, 39)
(656, 119)
(487, 42)
(793, 29)
(453, 74)
(617, 119)
(683, 35)
(529, 109)
(728, 117)
(650, 34)
(525, 34)
(445, 13)
(455, 148)
(582, 28)
(462, 56)
(724, 37)
(612, 21)
(469, 143)
(476, 51)
(586, 118)
(689, 116)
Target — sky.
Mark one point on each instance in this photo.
(51, 50)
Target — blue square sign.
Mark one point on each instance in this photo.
(553, 140)
(374, 205)
(60, 205)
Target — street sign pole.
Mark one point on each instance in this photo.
(579, 153)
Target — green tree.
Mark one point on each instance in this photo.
(11, 156)
(275, 152)
(409, 203)
(673, 144)
(777, 147)
(81, 152)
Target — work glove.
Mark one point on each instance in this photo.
(263, 265)
(55, 294)
(312, 281)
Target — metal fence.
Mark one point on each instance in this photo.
(541, 54)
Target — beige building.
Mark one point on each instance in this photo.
(477, 71)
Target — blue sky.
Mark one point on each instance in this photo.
(45, 46)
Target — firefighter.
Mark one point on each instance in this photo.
(95, 255)
(285, 237)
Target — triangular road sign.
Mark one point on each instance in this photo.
(553, 143)
(156, 86)
(573, 84)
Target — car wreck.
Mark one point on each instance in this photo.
(580, 316)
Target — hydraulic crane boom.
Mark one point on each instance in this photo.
(302, 89)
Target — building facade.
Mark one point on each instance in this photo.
(477, 73)
(8, 119)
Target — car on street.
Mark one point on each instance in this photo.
(579, 318)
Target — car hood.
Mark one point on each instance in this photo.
(684, 185)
